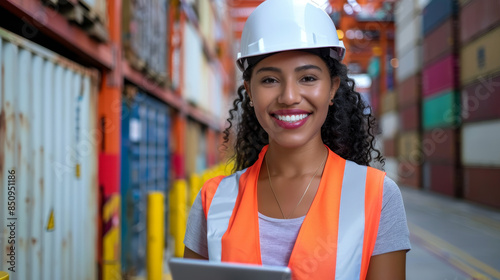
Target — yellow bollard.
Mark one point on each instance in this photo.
(155, 235)
(4, 275)
(178, 215)
(194, 187)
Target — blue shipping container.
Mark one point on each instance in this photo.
(437, 12)
(145, 162)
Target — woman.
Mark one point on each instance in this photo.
(302, 195)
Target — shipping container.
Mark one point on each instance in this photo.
(481, 185)
(441, 42)
(477, 17)
(389, 123)
(480, 144)
(441, 178)
(440, 145)
(408, 34)
(410, 117)
(481, 57)
(144, 25)
(410, 63)
(391, 168)
(145, 167)
(409, 91)
(409, 146)
(441, 110)
(405, 9)
(410, 174)
(193, 61)
(437, 12)
(96, 7)
(49, 143)
(390, 148)
(480, 99)
(389, 102)
(440, 76)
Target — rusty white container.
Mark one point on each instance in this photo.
(48, 136)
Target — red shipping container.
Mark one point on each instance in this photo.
(440, 145)
(481, 185)
(439, 42)
(410, 117)
(480, 100)
(409, 173)
(440, 76)
(390, 147)
(477, 17)
(441, 178)
(409, 91)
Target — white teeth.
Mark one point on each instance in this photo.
(291, 118)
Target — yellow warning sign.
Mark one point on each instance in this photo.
(50, 224)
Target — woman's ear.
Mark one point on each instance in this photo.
(247, 89)
(334, 88)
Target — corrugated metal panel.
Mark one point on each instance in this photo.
(441, 110)
(480, 100)
(480, 144)
(409, 34)
(441, 178)
(478, 17)
(389, 123)
(440, 42)
(409, 91)
(410, 63)
(440, 145)
(42, 93)
(409, 146)
(481, 185)
(436, 12)
(410, 117)
(144, 168)
(440, 76)
(481, 57)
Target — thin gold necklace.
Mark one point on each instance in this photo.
(307, 188)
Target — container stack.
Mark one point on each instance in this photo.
(144, 168)
(408, 18)
(440, 98)
(480, 84)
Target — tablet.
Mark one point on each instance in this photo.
(190, 269)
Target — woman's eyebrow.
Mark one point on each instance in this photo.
(272, 69)
(307, 67)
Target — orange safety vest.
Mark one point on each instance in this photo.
(336, 239)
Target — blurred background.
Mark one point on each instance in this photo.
(112, 112)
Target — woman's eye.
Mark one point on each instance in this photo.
(269, 81)
(308, 79)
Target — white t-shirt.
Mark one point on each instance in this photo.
(277, 236)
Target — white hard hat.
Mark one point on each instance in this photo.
(281, 25)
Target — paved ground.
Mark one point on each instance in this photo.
(451, 239)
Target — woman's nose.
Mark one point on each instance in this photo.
(289, 94)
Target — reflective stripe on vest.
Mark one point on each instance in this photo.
(351, 222)
(220, 212)
(349, 196)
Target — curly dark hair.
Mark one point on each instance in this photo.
(349, 130)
